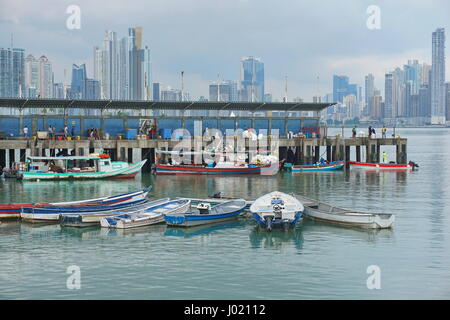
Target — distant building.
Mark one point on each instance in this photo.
(252, 80)
(45, 89)
(369, 85)
(268, 97)
(31, 76)
(58, 90)
(223, 91)
(91, 89)
(438, 77)
(78, 79)
(342, 88)
(447, 101)
(156, 91)
(12, 72)
(171, 95)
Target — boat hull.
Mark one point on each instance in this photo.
(270, 169)
(278, 223)
(336, 165)
(384, 166)
(122, 173)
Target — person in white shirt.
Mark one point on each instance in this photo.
(25, 131)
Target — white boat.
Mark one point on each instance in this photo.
(322, 211)
(277, 210)
(153, 214)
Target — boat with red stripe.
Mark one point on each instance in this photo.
(393, 166)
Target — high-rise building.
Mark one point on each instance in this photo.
(171, 95)
(376, 105)
(78, 79)
(140, 67)
(438, 77)
(268, 97)
(388, 95)
(369, 85)
(342, 88)
(58, 90)
(12, 67)
(146, 75)
(124, 69)
(45, 89)
(223, 91)
(424, 101)
(156, 91)
(31, 76)
(90, 89)
(252, 79)
(447, 101)
(110, 66)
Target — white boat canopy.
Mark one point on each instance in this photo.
(64, 158)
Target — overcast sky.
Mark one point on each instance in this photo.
(303, 39)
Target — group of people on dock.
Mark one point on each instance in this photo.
(371, 132)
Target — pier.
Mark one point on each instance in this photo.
(114, 118)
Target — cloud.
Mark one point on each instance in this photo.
(301, 39)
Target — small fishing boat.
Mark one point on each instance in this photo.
(51, 213)
(389, 166)
(277, 210)
(335, 165)
(318, 210)
(222, 168)
(78, 167)
(153, 214)
(204, 213)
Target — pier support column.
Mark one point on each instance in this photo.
(7, 160)
(401, 153)
(329, 153)
(316, 154)
(137, 155)
(347, 156)
(358, 153)
(16, 155)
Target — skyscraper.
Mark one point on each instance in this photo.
(223, 91)
(156, 91)
(78, 79)
(45, 89)
(342, 88)
(110, 65)
(252, 79)
(388, 96)
(438, 77)
(369, 92)
(12, 67)
(31, 76)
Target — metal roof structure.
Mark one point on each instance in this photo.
(22, 103)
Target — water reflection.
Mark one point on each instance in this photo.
(276, 239)
(202, 230)
(157, 228)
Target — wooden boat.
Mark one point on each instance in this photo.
(87, 219)
(51, 213)
(153, 214)
(315, 209)
(335, 165)
(390, 166)
(277, 210)
(219, 169)
(78, 167)
(204, 213)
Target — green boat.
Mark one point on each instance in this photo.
(78, 167)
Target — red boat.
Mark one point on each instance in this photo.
(365, 165)
(268, 169)
(13, 210)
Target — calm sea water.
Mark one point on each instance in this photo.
(235, 260)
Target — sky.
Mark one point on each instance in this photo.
(306, 40)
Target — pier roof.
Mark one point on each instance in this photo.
(21, 103)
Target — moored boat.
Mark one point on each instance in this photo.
(277, 210)
(335, 165)
(51, 213)
(318, 210)
(204, 213)
(78, 167)
(152, 214)
(390, 166)
(220, 169)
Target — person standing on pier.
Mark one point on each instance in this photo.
(25, 131)
(384, 157)
(370, 132)
(354, 132)
(383, 132)
(66, 131)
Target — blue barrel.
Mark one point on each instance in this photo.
(131, 134)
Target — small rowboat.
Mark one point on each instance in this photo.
(322, 211)
(87, 219)
(204, 213)
(51, 213)
(14, 210)
(335, 165)
(153, 214)
(390, 166)
(277, 210)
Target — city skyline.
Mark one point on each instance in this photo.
(177, 42)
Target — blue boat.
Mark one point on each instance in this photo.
(204, 213)
(277, 210)
(323, 166)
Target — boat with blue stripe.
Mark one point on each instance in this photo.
(204, 213)
(321, 166)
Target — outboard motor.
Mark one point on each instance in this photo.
(204, 208)
(413, 164)
(278, 207)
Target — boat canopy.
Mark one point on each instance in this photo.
(64, 158)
